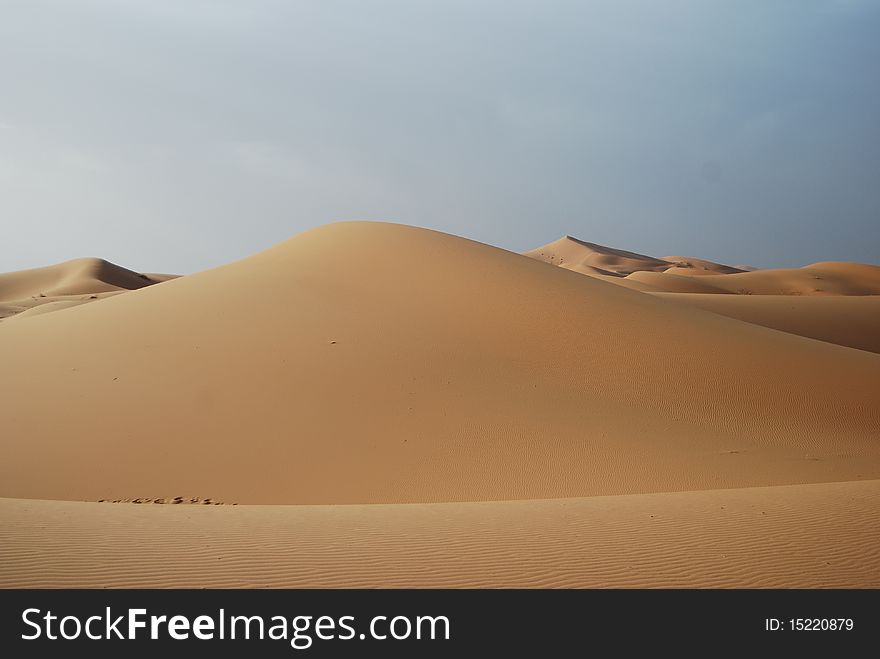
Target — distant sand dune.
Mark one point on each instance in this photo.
(593, 259)
(684, 274)
(74, 277)
(825, 535)
(699, 266)
(577, 255)
(819, 279)
(67, 285)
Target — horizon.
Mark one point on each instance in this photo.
(172, 138)
(576, 239)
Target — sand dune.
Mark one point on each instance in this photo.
(852, 321)
(825, 535)
(75, 277)
(593, 259)
(629, 269)
(67, 285)
(819, 279)
(590, 258)
(414, 366)
(676, 283)
(460, 413)
(695, 266)
(684, 274)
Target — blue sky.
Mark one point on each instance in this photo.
(174, 136)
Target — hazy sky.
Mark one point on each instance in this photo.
(175, 135)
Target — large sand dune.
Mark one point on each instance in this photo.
(684, 274)
(368, 363)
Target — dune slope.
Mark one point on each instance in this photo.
(852, 321)
(670, 282)
(367, 362)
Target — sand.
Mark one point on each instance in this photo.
(66, 285)
(587, 258)
(825, 535)
(693, 266)
(852, 321)
(819, 279)
(670, 282)
(684, 274)
(441, 392)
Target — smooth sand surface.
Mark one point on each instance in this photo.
(625, 282)
(670, 282)
(825, 535)
(852, 321)
(485, 418)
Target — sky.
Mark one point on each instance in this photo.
(178, 135)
